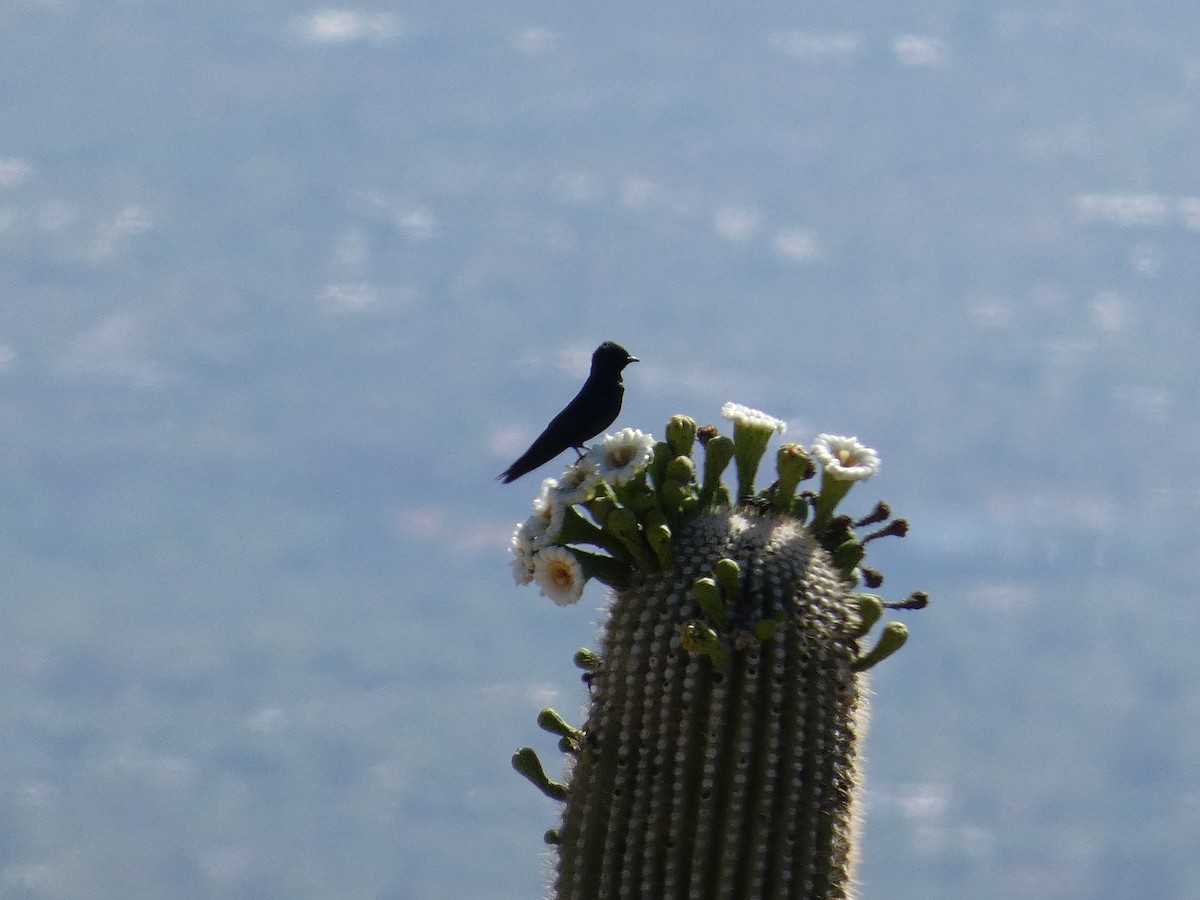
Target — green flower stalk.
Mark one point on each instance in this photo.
(719, 757)
(844, 461)
(751, 432)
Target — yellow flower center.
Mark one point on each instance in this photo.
(621, 456)
(561, 576)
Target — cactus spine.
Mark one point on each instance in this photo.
(719, 754)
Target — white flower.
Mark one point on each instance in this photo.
(622, 455)
(844, 458)
(549, 510)
(559, 575)
(524, 547)
(577, 481)
(549, 485)
(752, 418)
(533, 531)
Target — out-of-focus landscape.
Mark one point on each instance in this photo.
(285, 286)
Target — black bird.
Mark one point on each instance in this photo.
(594, 408)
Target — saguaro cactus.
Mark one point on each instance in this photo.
(719, 753)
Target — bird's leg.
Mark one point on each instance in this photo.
(578, 452)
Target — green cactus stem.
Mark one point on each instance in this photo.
(719, 757)
(702, 780)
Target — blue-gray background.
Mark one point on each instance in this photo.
(284, 286)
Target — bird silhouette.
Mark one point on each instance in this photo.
(594, 408)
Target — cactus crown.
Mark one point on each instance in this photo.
(718, 756)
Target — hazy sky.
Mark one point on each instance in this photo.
(287, 285)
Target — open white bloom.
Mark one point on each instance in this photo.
(622, 455)
(752, 418)
(577, 481)
(549, 486)
(534, 531)
(844, 458)
(524, 547)
(549, 509)
(559, 575)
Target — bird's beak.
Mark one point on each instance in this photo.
(632, 359)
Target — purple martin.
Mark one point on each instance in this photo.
(594, 408)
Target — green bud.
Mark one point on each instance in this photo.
(708, 597)
(729, 577)
(848, 555)
(623, 525)
(588, 660)
(663, 454)
(792, 464)
(893, 638)
(717, 454)
(549, 720)
(527, 763)
(658, 536)
(672, 497)
(571, 745)
(553, 837)
(637, 494)
(681, 434)
(700, 640)
(682, 469)
(870, 611)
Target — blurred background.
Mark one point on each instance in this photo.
(284, 286)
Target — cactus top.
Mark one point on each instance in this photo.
(719, 754)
